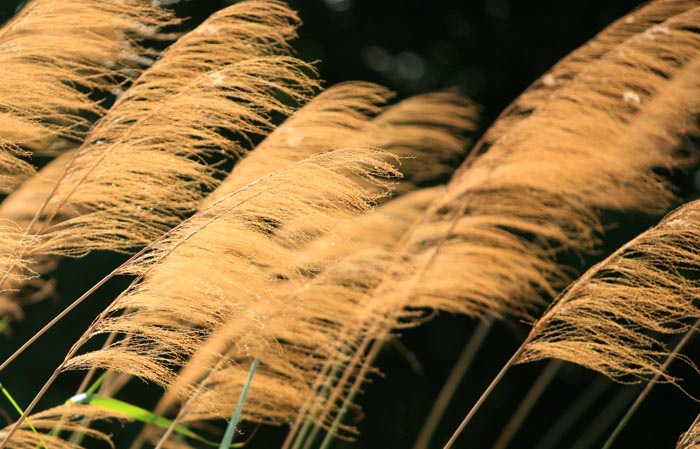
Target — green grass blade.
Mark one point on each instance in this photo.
(19, 410)
(97, 383)
(139, 414)
(4, 323)
(231, 428)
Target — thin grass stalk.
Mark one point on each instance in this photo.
(380, 330)
(372, 355)
(30, 407)
(63, 314)
(91, 373)
(334, 396)
(309, 441)
(454, 379)
(18, 409)
(567, 419)
(99, 385)
(526, 405)
(77, 436)
(296, 436)
(231, 428)
(141, 438)
(227, 440)
(83, 339)
(651, 384)
(684, 438)
(342, 381)
(603, 419)
(484, 396)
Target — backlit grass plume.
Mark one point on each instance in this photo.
(614, 318)
(427, 132)
(20, 208)
(143, 166)
(594, 143)
(611, 318)
(268, 293)
(334, 118)
(164, 324)
(641, 21)
(51, 429)
(346, 263)
(487, 245)
(13, 247)
(22, 205)
(53, 54)
(691, 438)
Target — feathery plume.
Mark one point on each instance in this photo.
(20, 208)
(345, 264)
(487, 245)
(16, 269)
(67, 418)
(691, 438)
(488, 242)
(52, 55)
(641, 20)
(333, 119)
(609, 320)
(22, 205)
(377, 232)
(230, 246)
(425, 131)
(142, 167)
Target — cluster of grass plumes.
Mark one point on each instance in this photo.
(265, 293)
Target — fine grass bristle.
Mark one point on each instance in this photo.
(144, 166)
(53, 54)
(488, 244)
(278, 234)
(244, 310)
(606, 319)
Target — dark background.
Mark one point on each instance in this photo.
(491, 50)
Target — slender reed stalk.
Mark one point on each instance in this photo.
(647, 389)
(527, 404)
(509, 364)
(453, 381)
(602, 421)
(567, 420)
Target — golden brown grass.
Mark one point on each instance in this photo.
(47, 75)
(332, 233)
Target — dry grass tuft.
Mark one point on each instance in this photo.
(232, 296)
(611, 319)
(307, 257)
(53, 54)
